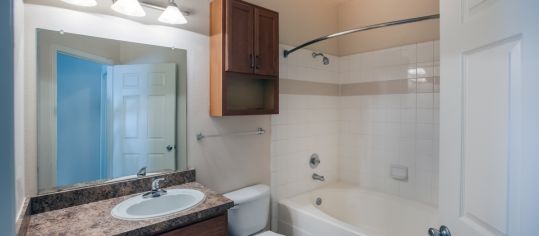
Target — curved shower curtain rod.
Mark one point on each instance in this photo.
(370, 27)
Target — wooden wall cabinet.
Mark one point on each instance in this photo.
(244, 66)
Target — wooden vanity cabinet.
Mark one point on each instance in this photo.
(217, 226)
(244, 54)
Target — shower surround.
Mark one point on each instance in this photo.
(389, 113)
(362, 114)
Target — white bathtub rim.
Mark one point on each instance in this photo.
(307, 207)
(371, 192)
(320, 215)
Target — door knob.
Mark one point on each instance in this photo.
(170, 147)
(443, 231)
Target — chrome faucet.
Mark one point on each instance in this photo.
(156, 189)
(318, 177)
(141, 172)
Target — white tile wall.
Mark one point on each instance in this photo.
(403, 62)
(306, 125)
(380, 130)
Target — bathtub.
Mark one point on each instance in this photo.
(347, 210)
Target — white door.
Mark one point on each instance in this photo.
(489, 125)
(143, 118)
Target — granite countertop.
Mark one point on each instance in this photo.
(95, 218)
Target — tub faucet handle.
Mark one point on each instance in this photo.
(314, 161)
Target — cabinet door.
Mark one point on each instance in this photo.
(217, 226)
(239, 51)
(266, 42)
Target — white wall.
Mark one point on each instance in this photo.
(20, 179)
(223, 164)
(7, 173)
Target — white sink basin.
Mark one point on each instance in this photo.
(139, 208)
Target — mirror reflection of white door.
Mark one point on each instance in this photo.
(143, 117)
(489, 183)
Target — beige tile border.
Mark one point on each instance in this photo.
(401, 86)
(298, 87)
(382, 87)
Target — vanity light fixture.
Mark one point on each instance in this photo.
(128, 7)
(172, 15)
(82, 3)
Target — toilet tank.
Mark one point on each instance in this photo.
(251, 211)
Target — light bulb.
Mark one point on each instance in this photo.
(172, 15)
(128, 7)
(83, 3)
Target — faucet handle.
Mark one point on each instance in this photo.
(142, 172)
(156, 183)
(156, 189)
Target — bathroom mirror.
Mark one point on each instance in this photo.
(107, 110)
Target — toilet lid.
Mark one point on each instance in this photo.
(269, 233)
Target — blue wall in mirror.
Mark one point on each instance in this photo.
(81, 122)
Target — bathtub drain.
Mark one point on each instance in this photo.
(318, 201)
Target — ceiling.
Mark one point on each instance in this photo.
(199, 17)
(338, 1)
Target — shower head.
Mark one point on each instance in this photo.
(325, 59)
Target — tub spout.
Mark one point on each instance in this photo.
(318, 177)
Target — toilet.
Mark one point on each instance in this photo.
(250, 214)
